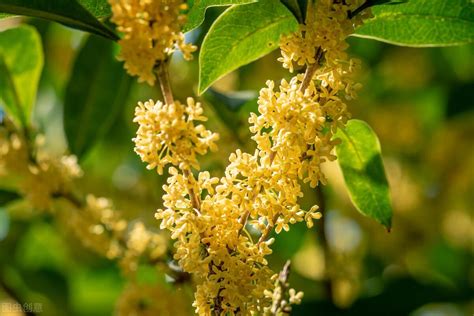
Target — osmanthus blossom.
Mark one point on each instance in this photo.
(46, 182)
(167, 134)
(41, 178)
(151, 33)
(209, 217)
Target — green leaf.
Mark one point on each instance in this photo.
(294, 7)
(95, 94)
(359, 156)
(227, 106)
(4, 223)
(5, 198)
(8, 196)
(198, 11)
(372, 3)
(21, 62)
(233, 101)
(242, 34)
(99, 8)
(67, 12)
(8, 95)
(422, 23)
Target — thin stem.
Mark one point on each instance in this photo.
(268, 229)
(74, 199)
(279, 305)
(311, 70)
(243, 221)
(195, 199)
(164, 79)
(321, 235)
(165, 85)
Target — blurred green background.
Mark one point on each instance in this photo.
(419, 102)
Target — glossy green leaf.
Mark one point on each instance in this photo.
(371, 3)
(242, 34)
(99, 8)
(95, 94)
(9, 96)
(21, 62)
(359, 156)
(67, 12)
(198, 11)
(294, 7)
(422, 23)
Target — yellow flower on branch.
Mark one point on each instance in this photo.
(151, 32)
(167, 134)
(294, 131)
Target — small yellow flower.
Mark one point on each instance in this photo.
(167, 134)
(294, 132)
(151, 32)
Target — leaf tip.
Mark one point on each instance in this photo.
(202, 88)
(387, 223)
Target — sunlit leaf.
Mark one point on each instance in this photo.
(67, 12)
(359, 156)
(21, 62)
(242, 34)
(99, 8)
(422, 23)
(198, 11)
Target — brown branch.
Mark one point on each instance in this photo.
(268, 228)
(69, 196)
(164, 79)
(311, 70)
(279, 305)
(195, 199)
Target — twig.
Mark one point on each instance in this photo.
(195, 199)
(74, 199)
(164, 79)
(278, 306)
(311, 69)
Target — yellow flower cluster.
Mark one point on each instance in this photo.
(151, 32)
(102, 228)
(98, 226)
(229, 268)
(42, 178)
(142, 242)
(282, 296)
(292, 128)
(152, 300)
(39, 179)
(168, 134)
(222, 226)
(326, 27)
